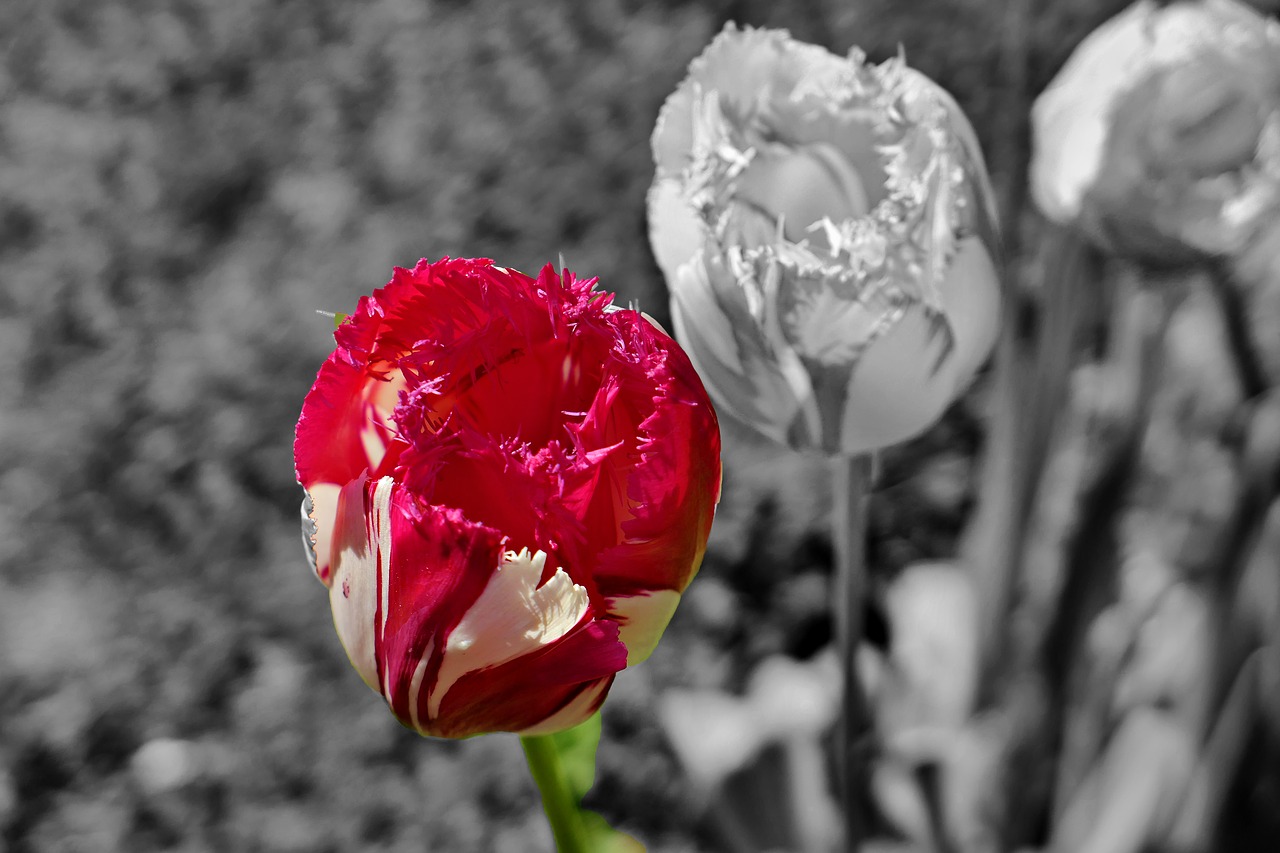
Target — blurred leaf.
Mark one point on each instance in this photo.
(606, 839)
(577, 748)
(1219, 762)
(1133, 795)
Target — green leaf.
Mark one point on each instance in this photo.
(575, 752)
(577, 748)
(606, 839)
(337, 318)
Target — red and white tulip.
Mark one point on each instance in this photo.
(510, 482)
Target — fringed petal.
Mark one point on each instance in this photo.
(505, 485)
(534, 440)
(437, 565)
(745, 67)
(674, 483)
(515, 615)
(523, 694)
(831, 197)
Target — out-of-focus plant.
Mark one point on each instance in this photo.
(774, 730)
(1160, 137)
(509, 484)
(826, 228)
(1159, 142)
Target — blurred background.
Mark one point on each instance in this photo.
(184, 183)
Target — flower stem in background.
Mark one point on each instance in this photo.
(851, 485)
(559, 800)
(1030, 387)
(1014, 24)
(1249, 372)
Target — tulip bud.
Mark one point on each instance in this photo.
(509, 484)
(827, 232)
(1160, 137)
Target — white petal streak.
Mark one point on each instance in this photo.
(512, 617)
(353, 591)
(415, 684)
(380, 534)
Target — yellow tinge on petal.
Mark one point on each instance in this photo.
(642, 618)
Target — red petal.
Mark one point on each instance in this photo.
(343, 432)
(439, 564)
(508, 487)
(334, 442)
(345, 424)
(522, 693)
(673, 484)
(533, 395)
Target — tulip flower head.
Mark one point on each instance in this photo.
(826, 229)
(1160, 137)
(509, 484)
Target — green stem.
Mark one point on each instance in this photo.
(851, 484)
(558, 800)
